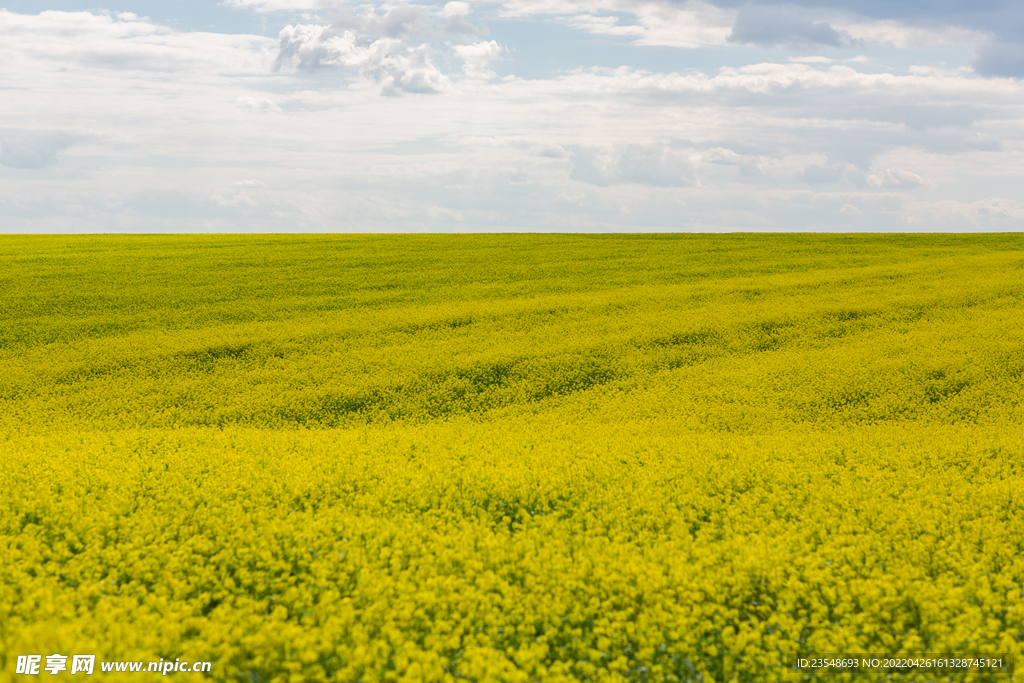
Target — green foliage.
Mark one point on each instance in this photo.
(511, 457)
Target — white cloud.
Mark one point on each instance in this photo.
(478, 57)
(262, 104)
(813, 60)
(401, 22)
(456, 13)
(904, 36)
(749, 165)
(895, 178)
(278, 5)
(456, 9)
(374, 44)
(126, 42)
(695, 24)
(688, 24)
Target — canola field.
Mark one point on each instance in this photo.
(511, 458)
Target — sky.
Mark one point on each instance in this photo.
(511, 115)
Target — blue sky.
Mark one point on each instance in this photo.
(511, 115)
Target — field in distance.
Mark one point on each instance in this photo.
(511, 457)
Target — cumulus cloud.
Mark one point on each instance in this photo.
(477, 57)
(33, 149)
(373, 44)
(661, 165)
(403, 22)
(456, 8)
(456, 13)
(307, 46)
(379, 46)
